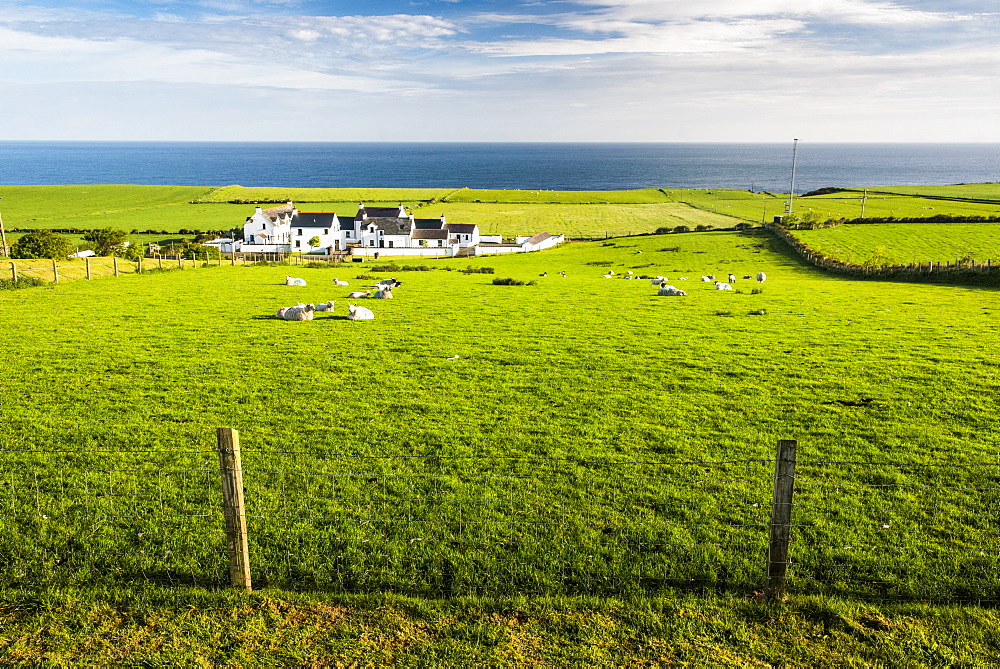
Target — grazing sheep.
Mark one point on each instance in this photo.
(325, 306)
(340, 282)
(384, 294)
(360, 293)
(562, 274)
(356, 313)
(389, 283)
(303, 313)
(722, 286)
(291, 281)
(670, 291)
(732, 278)
(761, 277)
(747, 276)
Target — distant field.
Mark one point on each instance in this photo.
(981, 191)
(354, 195)
(640, 196)
(763, 206)
(902, 243)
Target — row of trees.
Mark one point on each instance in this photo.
(49, 244)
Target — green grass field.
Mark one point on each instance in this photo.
(575, 471)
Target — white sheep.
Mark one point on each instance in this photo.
(325, 306)
(360, 293)
(544, 274)
(340, 282)
(356, 313)
(656, 281)
(706, 279)
(388, 283)
(280, 313)
(683, 278)
(670, 291)
(732, 278)
(761, 277)
(629, 272)
(722, 286)
(609, 275)
(292, 281)
(303, 313)
(384, 294)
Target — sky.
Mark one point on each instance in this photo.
(501, 70)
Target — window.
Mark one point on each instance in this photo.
(298, 243)
(300, 232)
(390, 244)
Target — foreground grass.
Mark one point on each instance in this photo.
(154, 626)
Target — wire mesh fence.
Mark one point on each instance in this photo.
(445, 526)
(890, 530)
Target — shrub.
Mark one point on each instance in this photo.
(682, 228)
(508, 282)
(385, 268)
(601, 263)
(670, 249)
(41, 244)
(477, 270)
(21, 282)
(107, 241)
(701, 227)
(366, 277)
(756, 291)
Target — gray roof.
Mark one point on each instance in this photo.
(462, 228)
(427, 223)
(430, 234)
(315, 220)
(391, 226)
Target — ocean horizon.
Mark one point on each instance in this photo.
(546, 166)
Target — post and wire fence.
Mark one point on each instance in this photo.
(437, 525)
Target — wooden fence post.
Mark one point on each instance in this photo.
(138, 267)
(180, 261)
(231, 467)
(87, 261)
(781, 518)
(13, 272)
(232, 258)
(55, 271)
(114, 263)
(159, 261)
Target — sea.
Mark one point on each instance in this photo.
(550, 166)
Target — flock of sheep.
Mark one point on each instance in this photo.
(383, 291)
(306, 312)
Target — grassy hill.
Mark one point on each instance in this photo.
(573, 470)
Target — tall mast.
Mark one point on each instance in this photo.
(791, 187)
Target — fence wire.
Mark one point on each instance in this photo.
(896, 530)
(443, 526)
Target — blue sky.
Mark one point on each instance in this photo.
(502, 70)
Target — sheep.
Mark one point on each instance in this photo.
(280, 313)
(722, 286)
(291, 281)
(303, 313)
(732, 278)
(325, 306)
(670, 291)
(562, 274)
(544, 274)
(706, 279)
(656, 281)
(340, 282)
(609, 275)
(388, 283)
(384, 294)
(359, 293)
(747, 276)
(629, 272)
(683, 278)
(761, 277)
(356, 313)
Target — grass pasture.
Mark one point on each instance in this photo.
(902, 243)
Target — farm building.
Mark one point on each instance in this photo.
(285, 229)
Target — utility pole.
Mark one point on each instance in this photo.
(3, 238)
(864, 198)
(791, 187)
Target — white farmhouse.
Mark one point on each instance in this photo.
(285, 229)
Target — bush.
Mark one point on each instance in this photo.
(508, 282)
(671, 249)
(601, 263)
(385, 268)
(682, 228)
(41, 244)
(703, 228)
(22, 282)
(477, 270)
